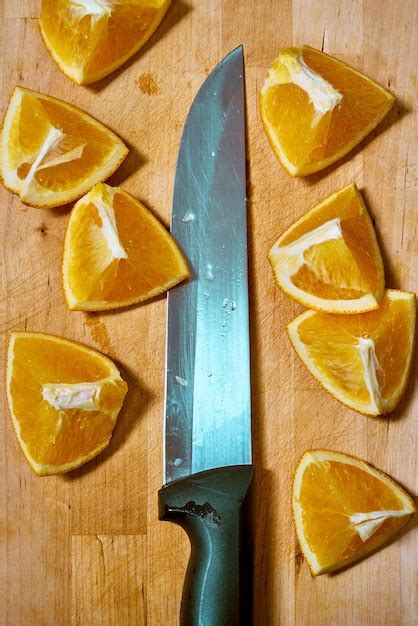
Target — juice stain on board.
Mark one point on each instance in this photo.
(98, 332)
(147, 85)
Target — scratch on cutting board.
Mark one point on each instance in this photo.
(102, 555)
(16, 322)
(17, 289)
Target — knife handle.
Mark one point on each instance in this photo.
(209, 506)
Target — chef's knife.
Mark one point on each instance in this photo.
(207, 414)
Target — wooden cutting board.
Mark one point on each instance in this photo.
(87, 548)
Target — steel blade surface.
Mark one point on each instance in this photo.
(207, 417)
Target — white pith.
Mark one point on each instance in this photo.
(103, 8)
(322, 95)
(371, 366)
(63, 396)
(291, 257)
(109, 229)
(66, 157)
(366, 524)
(97, 8)
(51, 141)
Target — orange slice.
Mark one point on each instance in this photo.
(88, 39)
(329, 259)
(315, 109)
(64, 399)
(52, 153)
(362, 360)
(116, 253)
(344, 508)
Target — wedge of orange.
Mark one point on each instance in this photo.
(315, 108)
(329, 260)
(362, 360)
(64, 399)
(52, 153)
(88, 39)
(344, 508)
(116, 253)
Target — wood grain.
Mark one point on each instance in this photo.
(88, 548)
(110, 584)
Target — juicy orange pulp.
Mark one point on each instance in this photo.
(58, 439)
(307, 136)
(362, 359)
(32, 127)
(147, 263)
(335, 496)
(340, 268)
(52, 151)
(90, 38)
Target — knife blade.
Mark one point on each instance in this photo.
(207, 453)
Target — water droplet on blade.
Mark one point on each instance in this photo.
(209, 272)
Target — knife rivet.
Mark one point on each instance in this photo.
(177, 462)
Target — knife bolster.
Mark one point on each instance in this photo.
(209, 506)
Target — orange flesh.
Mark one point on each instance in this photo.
(330, 493)
(153, 263)
(357, 251)
(319, 255)
(332, 343)
(56, 437)
(30, 129)
(94, 44)
(290, 112)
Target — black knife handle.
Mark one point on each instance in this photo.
(209, 506)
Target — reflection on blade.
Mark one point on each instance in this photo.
(207, 422)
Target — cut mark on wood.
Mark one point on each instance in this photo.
(299, 559)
